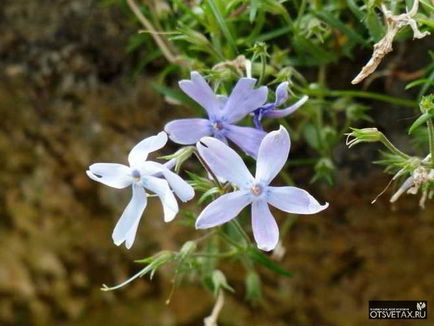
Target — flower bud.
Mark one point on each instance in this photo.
(219, 282)
(365, 135)
(253, 287)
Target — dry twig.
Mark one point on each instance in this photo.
(211, 320)
(153, 32)
(394, 24)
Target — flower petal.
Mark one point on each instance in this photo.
(170, 164)
(244, 99)
(248, 139)
(111, 174)
(265, 229)
(272, 155)
(289, 110)
(188, 131)
(199, 90)
(161, 188)
(126, 227)
(281, 93)
(140, 152)
(182, 189)
(224, 161)
(223, 209)
(294, 200)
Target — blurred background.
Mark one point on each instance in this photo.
(70, 95)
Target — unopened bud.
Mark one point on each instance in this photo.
(365, 135)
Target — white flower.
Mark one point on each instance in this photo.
(255, 191)
(142, 175)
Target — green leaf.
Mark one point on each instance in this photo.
(311, 135)
(304, 46)
(263, 260)
(374, 25)
(253, 286)
(338, 24)
(253, 10)
(222, 24)
(426, 3)
(274, 33)
(176, 96)
(355, 9)
(420, 121)
(209, 193)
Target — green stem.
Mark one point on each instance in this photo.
(263, 68)
(217, 255)
(229, 240)
(431, 138)
(207, 168)
(243, 233)
(358, 94)
(386, 142)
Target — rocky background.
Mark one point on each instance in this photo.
(68, 97)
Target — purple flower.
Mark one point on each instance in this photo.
(269, 110)
(223, 114)
(142, 175)
(254, 191)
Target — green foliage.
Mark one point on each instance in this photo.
(298, 41)
(280, 38)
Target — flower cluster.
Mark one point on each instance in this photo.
(211, 136)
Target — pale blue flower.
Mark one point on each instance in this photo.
(223, 114)
(142, 175)
(269, 110)
(254, 191)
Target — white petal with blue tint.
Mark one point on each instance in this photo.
(224, 162)
(140, 152)
(244, 99)
(294, 200)
(247, 138)
(161, 188)
(182, 189)
(273, 153)
(265, 229)
(126, 228)
(223, 209)
(111, 174)
(199, 90)
(188, 131)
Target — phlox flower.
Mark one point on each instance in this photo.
(269, 110)
(223, 114)
(255, 191)
(142, 176)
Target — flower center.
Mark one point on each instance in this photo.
(136, 175)
(256, 190)
(217, 125)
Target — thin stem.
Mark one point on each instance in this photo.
(430, 126)
(208, 169)
(286, 177)
(205, 236)
(142, 272)
(241, 230)
(217, 255)
(153, 32)
(386, 142)
(358, 94)
(263, 68)
(229, 240)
